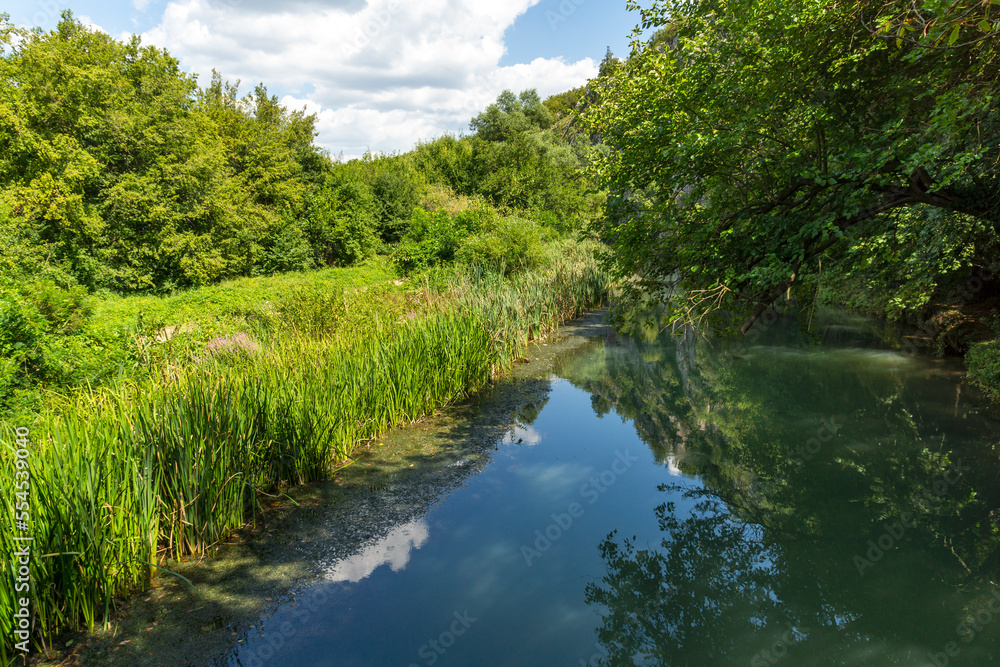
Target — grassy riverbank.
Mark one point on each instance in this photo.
(79, 340)
(171, 462)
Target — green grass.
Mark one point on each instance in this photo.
(233, 299)
(171, 463)
(134, 337)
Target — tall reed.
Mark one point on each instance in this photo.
(169, 467)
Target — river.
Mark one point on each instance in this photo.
(807, 499)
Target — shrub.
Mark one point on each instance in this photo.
(341, 224)
(983, 361)
(65, 308)
(510, 245)
(21, 338)
(432, 239)
(37, 320)
(236, 346)
(443, 198)
(289, 251)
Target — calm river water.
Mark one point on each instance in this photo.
(804, 500)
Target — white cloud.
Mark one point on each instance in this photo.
(555, 480)
(381, 75)
(88, 22)
(141, 4)
(394, 549)
(522, 435)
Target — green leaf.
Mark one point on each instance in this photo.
(953, 37)
(985, 26)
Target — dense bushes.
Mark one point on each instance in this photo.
(984, 367)
(133, 179)
(478, 236)
(510, 245)
(35, 320)
(534, 171)
(341, 223)
(983, 360)
(119, 172)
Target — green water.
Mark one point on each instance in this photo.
(808, 499)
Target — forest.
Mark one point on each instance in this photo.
(811, 153)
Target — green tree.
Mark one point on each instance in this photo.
(131, 178)
(512, 114)
(775, 134)
(937, 24)
(447, 161)
(341, 222)
(565, 103)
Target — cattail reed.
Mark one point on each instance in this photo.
(170, 465)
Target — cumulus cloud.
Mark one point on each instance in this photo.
(89, 22)
(381, 75)
(393, 550)
(522, 435)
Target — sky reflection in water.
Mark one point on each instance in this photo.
(743, 506)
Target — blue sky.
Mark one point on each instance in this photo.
(550, 29)
(380, 74)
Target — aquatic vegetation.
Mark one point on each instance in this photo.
(169, 465)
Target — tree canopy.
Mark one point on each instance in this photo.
(511, 114)
(763, 137)
(125, 175)
(119, 173)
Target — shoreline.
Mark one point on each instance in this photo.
(395, 479)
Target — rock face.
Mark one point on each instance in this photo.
(959, 327)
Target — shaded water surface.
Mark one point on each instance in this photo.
(805, 500)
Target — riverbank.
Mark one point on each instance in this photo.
(124, 477)
(790, 455)
(79, 340)
(299, 539)
(970, 331)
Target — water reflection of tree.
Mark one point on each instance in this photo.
(738, 423)
(693, 600)
(718, 590)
